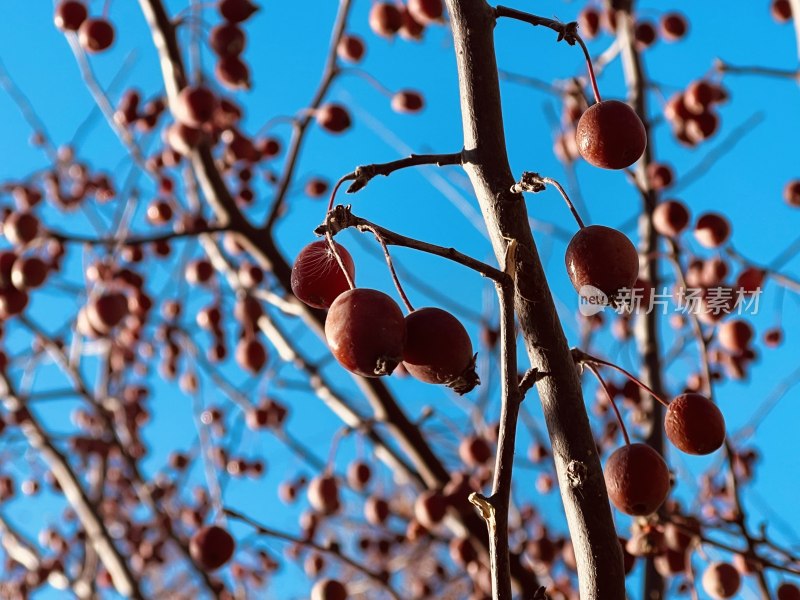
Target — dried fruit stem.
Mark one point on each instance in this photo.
(388, 256)
(596, 373)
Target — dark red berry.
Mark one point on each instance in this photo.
(407, 101)
(196, 106)
(791, 193)
(317, 278)
(237, 11)
(670, 218)
(329, 589)
(602, 257)
(673, 26)
(637, 479)
(385, 19)
(781, 10)
(227, 39)
(366, 332)
(233, 73)
(589, 23)
(351, 48)
(323, 494)
(721, 581)
(96, 35)
(333, 118)
(211, 547)
(712, 230)
(610, 135)
(694, 424)
(69, 15)
(426, 11)
(438, 350)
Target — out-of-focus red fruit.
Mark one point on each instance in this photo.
(788, 591)
(735, 335)
(673, 26)
(660, 176)
(426, 11)
(670, 218)
(366, 332)
(227, 39)
(645, 34)
(637, 479)
(196, 105)
(359, 475)
(385, 19)
(333, 118)
(316, 187)
(351, 48)
(438, 350)
(721, 581)
(28, 273)
(211, 547)
(430, 508)
(21, 228)
(251, 354)
(233, 73)
(317, 278)
(329, 589)
(791, 193)
(773, 337)
(781, 10)
(411, 29)
(106, 311)
(323, 494)
(237, 11)
(750, 280)
(407, 101)
(474, 451)
(694, 424)
(96, 35)
(69, 15)
(610, 135)
(712, 230)
(589, 23)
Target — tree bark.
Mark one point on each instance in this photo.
(580, 476)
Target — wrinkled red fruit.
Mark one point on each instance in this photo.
(694, 424)
(96, 35)
(237, 11)
(637, 479)
(366, 332)
(328, 589)
(712, 230)
(426, 11)
(721, 581)
(603, 258)
(385, 19)
(333, 118)
(211, 547)
(70, 15)
(610, 135)
(317, 278)
(670, 218)
(438, 350)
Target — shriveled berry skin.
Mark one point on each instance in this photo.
(610, 135)
(637, 479)
(366, 332)
(438, 350)
(602, 257)
(694, 424)
(211, 547)
(317, 278)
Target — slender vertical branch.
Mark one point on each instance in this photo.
(582, 486)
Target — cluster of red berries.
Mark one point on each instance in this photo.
(94, 35)
(366, 330)
(692, 112)
(672, 26)
(637, 477)
(20, 271)
(227, 41)
(388, 19)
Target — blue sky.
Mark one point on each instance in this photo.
(286, 49)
